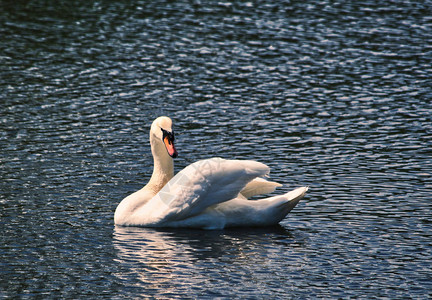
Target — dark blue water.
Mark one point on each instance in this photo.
(336, 95)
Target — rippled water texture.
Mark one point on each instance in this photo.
(331, 94)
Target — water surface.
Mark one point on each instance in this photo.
(329, 94)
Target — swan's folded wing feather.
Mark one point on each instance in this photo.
(200, 185)
(259, 186)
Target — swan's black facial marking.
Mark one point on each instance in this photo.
(168, 134)
(168, 139)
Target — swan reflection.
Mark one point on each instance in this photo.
(169, 262)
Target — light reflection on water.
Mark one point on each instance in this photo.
(329, 94)
(176, 263)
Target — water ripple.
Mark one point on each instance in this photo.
(333, 95)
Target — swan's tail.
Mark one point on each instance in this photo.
(274, 209)
(264, 212)
(289, 200)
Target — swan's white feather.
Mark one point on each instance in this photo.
(259, 186)
(198, 186)
(240, 212)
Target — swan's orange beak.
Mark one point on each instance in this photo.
(169, 144)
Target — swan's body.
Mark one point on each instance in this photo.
(209, 194)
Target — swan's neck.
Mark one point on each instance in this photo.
(163, 166)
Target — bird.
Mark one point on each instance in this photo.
(208, 194)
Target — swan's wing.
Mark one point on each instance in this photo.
(259, 186)
(200, 185)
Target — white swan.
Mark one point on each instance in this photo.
(208, 194)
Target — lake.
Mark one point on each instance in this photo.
(333, 95)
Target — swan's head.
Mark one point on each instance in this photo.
(161, 130)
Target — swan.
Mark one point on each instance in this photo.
(208, 194)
